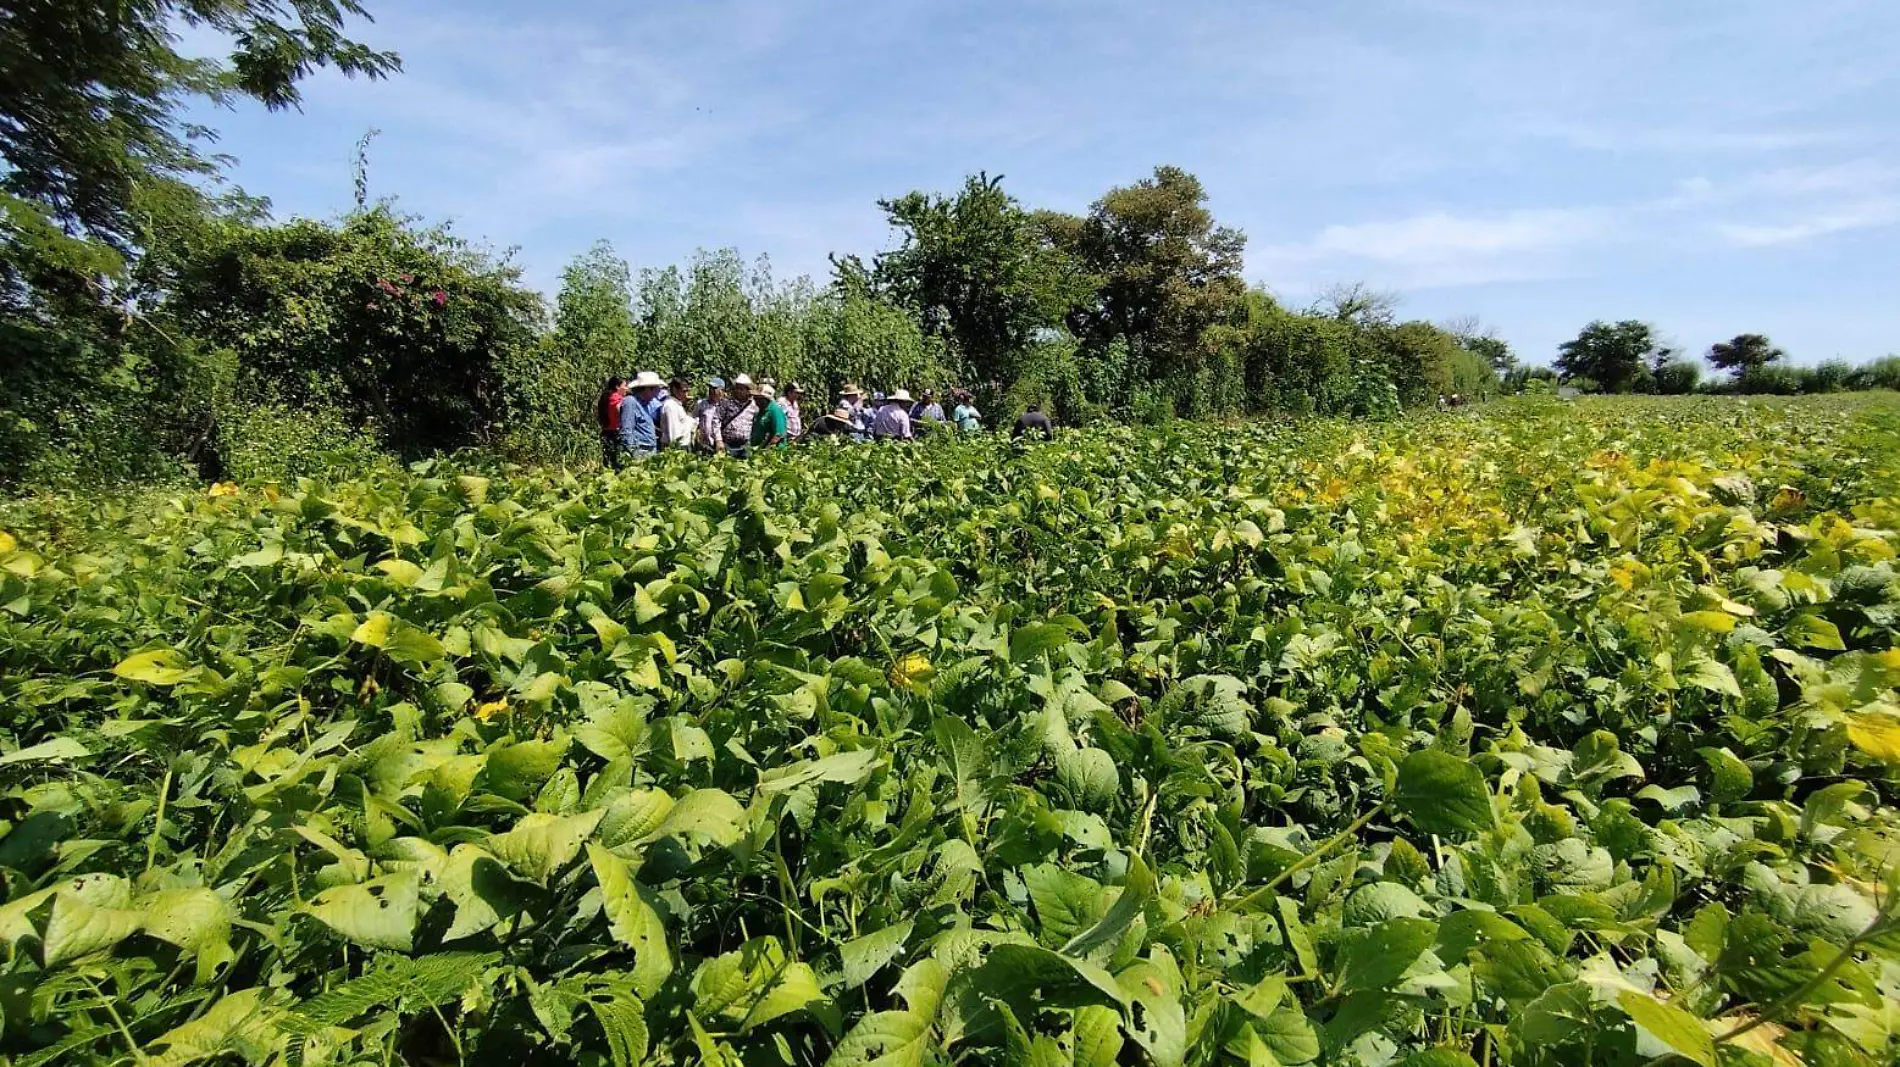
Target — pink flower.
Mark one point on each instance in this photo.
(407, 278)
(441, 298)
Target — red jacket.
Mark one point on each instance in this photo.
(609, 413)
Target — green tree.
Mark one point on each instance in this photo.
(551, 396)
(976, 270)
(91, 94)
(1613, 355)
(1417, 357)
(1744, 354)
(1164, 271)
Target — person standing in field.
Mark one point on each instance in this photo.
(707, 414)
(676, 423)
(965, 415)
(926, 414)
(639, 436)
(893, 418)
(607, 414)
(851, 400)
(734, 418)
(768, 424)
(1035, 424)
(794, 418)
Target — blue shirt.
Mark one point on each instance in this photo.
(638, 432)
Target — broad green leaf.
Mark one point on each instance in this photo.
(539, 845)
(90, 913)
(1137, 890)
(848, 768)
(401, 571)
(197, 920)
(241, 1025)
(1036, 639)
(59, 748)
(1443, 794)
(1672, 1028)
(1373, 958)
(519, 770)
(633, 817)
(1439, 1057)
(904, 1038)
(379, 913)
(1812, 631)
(632, 919)
(708, 813)
(1711, 675)
(864, 956)
(1730, 778)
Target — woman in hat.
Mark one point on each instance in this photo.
(893, 419)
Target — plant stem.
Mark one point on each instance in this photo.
(1799, 993)
(1309, 859)
(117, 1019)
(158, 825)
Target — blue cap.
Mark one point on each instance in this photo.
(716, 383)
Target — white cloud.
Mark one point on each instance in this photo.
(1440, 235)
(1868, 215)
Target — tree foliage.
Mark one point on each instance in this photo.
(1613, 355)
(1744, 354)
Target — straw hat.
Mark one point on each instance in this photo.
(743, 379)
(898, 396)
(850, 390)
(839, 417)
(767, 391)
(646, 379)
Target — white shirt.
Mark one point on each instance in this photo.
(676, 425)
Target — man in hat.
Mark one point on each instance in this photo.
(639, 436)
(676, 425)
(733, 419)
(1035, 424)
(707, 413)
(893, 418)
(794, 419)
(836, 423)
(768, 423)
(925, 410)
(852, 401)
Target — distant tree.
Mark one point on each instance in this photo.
(1613, 355)
(1744, 354)
(1357, 304)
(1481, 341)
(1164, 271)
(1418, 358)
(976, 270)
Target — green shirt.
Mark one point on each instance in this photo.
(768, 424)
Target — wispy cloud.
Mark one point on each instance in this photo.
(1868, 215)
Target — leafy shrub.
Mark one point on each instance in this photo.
(264, 442)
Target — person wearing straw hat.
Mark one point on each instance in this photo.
(768, 424)
(851, 401)
(893, 418)
(734, 419)
(639, 436)
(835, 424)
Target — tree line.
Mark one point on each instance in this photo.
(1629, 357)
(157, 321)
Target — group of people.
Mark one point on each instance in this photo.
(645, 415)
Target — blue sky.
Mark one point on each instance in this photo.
(1712, 166)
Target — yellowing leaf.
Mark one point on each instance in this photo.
(160, 666)
(7, 543)
(1877, 733)
(374, 630)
